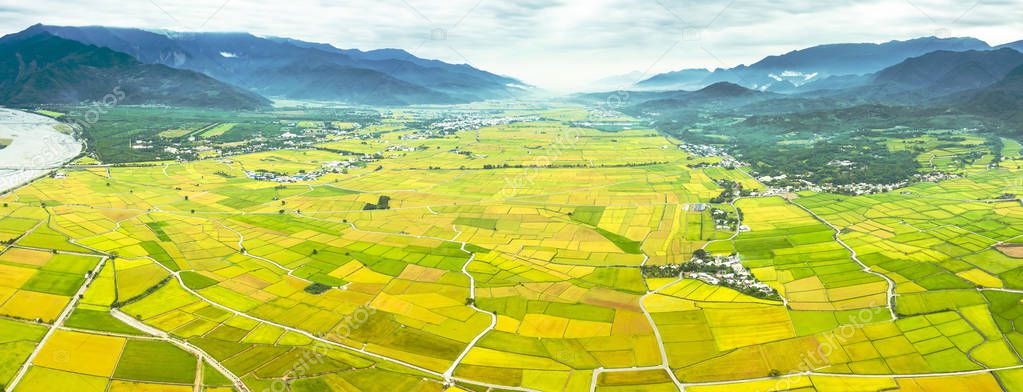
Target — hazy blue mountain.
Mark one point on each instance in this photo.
(615, 82)
(40, 68)
(1018, 46)
(691, 79)
(455, 79)
(932, 76)
(836, 82)
(718, 96)
(853, 59)
(792, 71)
(945, 71)
(288, 68)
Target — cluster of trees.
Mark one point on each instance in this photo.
(383, 203)
(316, 288)
(731, 190)
(674, 270)
(803, 145)
(661, 271)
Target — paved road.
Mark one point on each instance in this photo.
(57, 323)
(139, 325)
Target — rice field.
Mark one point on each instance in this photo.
(507, 256)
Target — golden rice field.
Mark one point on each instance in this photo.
(509, 258)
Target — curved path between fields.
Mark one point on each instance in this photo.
(890, 292)
(680, 385)
(472, 304)
(315, 338)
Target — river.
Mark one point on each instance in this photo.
(36, 147)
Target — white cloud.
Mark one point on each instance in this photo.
(554, 43)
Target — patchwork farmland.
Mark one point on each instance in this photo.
(537, 254)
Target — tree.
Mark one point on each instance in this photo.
(700, 254)
(317, 288)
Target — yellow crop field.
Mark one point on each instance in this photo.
(24, 256)
(81, 353)
(41, 379)
(14, 277)
(31, 305)
(127, 386)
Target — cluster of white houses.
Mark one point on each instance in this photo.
(728, 271)
(329, 167)
(469, 122)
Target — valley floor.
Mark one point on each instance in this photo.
(527, 254)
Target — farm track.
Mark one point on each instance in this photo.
(447, 375)
(318, 339)
(245, 251)
(472, 304)
(890, 292)
(198, 352)
(665, 363)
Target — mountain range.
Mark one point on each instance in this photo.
(934, 75)
(983, 82)
(58, 64)
(718, 96)
(810, 68)
(292, 69)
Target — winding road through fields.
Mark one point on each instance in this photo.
(852, 252)
(447, 376)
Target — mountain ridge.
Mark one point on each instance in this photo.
(295, 69)
(40, 68)
(790, 71)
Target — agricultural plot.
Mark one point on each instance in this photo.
(85, 361)
(791, 250)
(17, 340)
(37, 285)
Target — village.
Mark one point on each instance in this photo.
(329, 167)
(474, 121)
(726, 271)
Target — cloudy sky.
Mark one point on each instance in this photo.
(557, 44)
